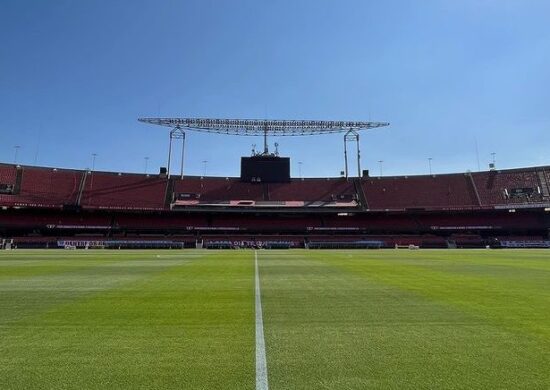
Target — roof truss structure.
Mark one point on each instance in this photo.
(263, 127)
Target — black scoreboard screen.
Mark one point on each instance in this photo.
(265, 169)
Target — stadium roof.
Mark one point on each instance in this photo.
(254, 127)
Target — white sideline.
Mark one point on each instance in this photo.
(261, 363)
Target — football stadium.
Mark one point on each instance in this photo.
(127, 280)
(266, 208)
(274, 195)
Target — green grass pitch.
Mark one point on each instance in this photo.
(388, 319)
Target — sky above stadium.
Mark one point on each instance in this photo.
(456, 80)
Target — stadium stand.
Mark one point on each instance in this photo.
(233, 192)
(44, 187)
(505, 187)
(217, 190)
(337, 190)
(41, 206)
(47, 187)
(441, 191)
(123, 191)
(8, 174)
(8, 178)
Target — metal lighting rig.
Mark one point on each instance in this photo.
(263, 127)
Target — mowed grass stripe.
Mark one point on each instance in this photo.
(46, 282)
(24, 264)
(189, 326)
(329, 325)
(497, 288)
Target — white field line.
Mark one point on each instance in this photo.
(261, 363)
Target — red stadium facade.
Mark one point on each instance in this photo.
(49, 207)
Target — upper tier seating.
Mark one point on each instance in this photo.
(123, 191)
(313, 190)
(493, 185)
(8, 179)
(219, 189)
(45, 187)
(441, 191)
(546, 174)
(8, 174)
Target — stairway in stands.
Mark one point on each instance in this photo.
(82, 187)
(360, 193)
(473, 184)
(544, 184)
(169, 194)
(18, 178)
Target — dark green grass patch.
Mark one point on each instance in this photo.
(332, 319)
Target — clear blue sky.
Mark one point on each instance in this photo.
(76, 75)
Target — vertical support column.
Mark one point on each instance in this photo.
(170, 152)
(176, 133)
(346, 155)
(266, 149)
(353, 136)
(182, 153)
(358, 158)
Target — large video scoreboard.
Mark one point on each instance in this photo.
(265, 169)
